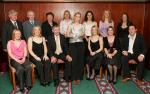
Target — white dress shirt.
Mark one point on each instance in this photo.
(64, 26)
(131, 43)
(15, 23)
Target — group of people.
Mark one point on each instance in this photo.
(74, 43)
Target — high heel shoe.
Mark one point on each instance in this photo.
(88, 77)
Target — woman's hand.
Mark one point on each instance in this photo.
(109, 56)
(37, 58)
(45, 57)
(92, 53)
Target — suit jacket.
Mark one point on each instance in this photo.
(27, 28)
(47, 29)
(52, 45)
(7, 32)
(139, 46)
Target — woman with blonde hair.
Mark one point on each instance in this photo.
(17, 51)
(105, 23)
(38, 55)
(95, 46)
(75, 33)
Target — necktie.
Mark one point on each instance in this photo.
(32, 22)
(15, 24)
(58, 46)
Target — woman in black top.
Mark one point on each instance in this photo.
(123, 26)
(112, 49)
(38, 51)
(95, 46)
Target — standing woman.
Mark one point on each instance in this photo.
(75, 33)
(17, 51)
(95, 46)
(89, 21)
(105, 23)
(65, 22)
(112, 51)
(123, 26)
(38, 51)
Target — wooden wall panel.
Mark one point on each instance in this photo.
(98, 8)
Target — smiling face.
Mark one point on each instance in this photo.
(67, 15)
(36, 31)
(31, 15)
(13, 17)
(49, 18)
(124, 18)
(110, 31)
(94, 30)
(16, 35)
(89, 16)
(56, 30)
(106, 14)
(132, 30)
(77, 17)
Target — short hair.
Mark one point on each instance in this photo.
(12, 12)
(33, 33)
(55, 26)
(133, 26)
(50, 13)
(13, 33)
(30, 11)
(86, 18)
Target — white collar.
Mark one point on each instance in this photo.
(132, 37)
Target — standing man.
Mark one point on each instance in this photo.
(29, 24)
(9, 26)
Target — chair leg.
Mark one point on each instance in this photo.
(101, 72)
(33, 75)
(14, 80)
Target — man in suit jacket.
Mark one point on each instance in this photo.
(133, 48)
(48, 25)
(29, 24)
(9, 26)
(58, 50)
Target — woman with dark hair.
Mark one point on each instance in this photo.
(17, 51)
(123, 26)
(112, 52)
(38, 55)
(89, 21)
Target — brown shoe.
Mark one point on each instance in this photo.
(125, 80)
(78, 82)
(139, 82)
(75, 82)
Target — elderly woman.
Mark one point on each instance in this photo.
(38, 52)
(17, 51)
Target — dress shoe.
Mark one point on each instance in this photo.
(114, 82)
(43, 84)
(56, 83)
(48, 83)
(125, 80)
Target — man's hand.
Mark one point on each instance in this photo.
(53, 60)
(141, 57)
(68, 58)
(125, 53)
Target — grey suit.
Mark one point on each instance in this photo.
(27, 28)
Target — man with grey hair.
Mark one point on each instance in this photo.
(29, 24)
(9, 26)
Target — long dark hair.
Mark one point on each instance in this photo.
(86, 18)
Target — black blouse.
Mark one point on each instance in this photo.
(114, 46)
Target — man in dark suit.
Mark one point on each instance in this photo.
(133, 48)
(58, 50)
(29, 24)
(9, 26)
(48, 25)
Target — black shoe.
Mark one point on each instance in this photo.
(56, 83)
(114, 82)
(110, 81)
(48, 83)
(43, 84)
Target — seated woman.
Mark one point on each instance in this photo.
(38, 51)
(112, 48)
(17, 51)
(95, 46)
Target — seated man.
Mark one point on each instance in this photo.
(58, 50)
(133, 48)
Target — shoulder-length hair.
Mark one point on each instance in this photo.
(109, 19)
(77, 14)
(33, 31)
(67, 11)
(13, 34)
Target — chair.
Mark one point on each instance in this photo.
(12, 71)
(132, 62)
(103, 72)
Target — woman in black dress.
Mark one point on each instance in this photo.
(38, 51)
(123, 26)
(95, 46)
(112, 50)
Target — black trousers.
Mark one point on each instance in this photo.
(126, 69)
(77, 53)
(23, 73)
(55, 66)
(43, 69)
